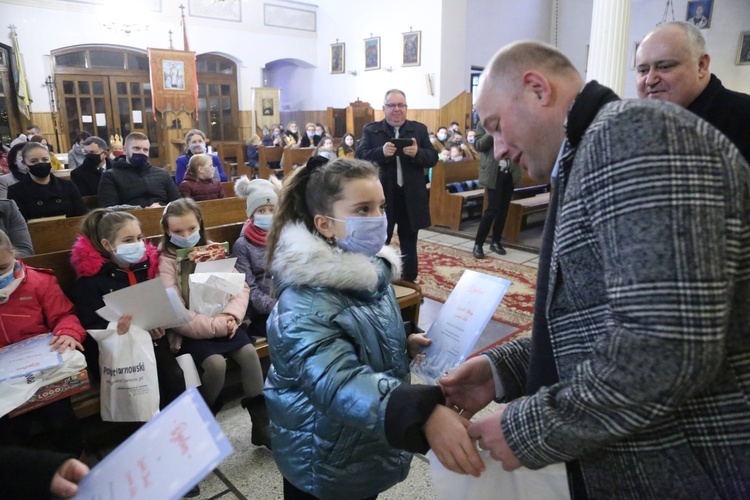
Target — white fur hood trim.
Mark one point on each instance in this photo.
(302, 259)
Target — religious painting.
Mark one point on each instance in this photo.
(372, 53)
(267, 106)
(174, 75)
(337, 58)
(411, 48)
(635, 52)
(743, 49)
(211, 9)
(699, 13)
(173, 81)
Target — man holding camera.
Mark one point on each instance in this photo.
(402, 150)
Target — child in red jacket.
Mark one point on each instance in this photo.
(32, 303)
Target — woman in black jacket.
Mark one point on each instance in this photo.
(41, 194)
(111, 255)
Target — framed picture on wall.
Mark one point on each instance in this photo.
(635, 51)
(337, 58)
(411, 47)
(743, 49)
(699, 13)
(372, 53)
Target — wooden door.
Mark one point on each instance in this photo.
(85, 105)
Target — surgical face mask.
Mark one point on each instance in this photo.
(206, 171)
(471, 140)
(7, 278)
(40, 170)
(182, 242)
(198, 148)
(139, 160)
(275, 134)
(310, 134)
(131, 253)
(263, 221)
(293, 130)
(78, 148)
(442, 137)
(365, 235)
(318, 132)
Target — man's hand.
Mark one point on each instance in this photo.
(470, 387)
(411, 150)
(445, 430)
(489, 432)
(62, 342)
(157, 333)
(123, 324)
(415, 342)
(65, 481)
(389, 149)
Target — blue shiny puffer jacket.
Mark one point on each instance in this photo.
(338, 350)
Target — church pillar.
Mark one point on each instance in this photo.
(608, 45)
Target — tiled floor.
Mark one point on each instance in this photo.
(251, 473)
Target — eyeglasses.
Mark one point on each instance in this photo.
(394, 106)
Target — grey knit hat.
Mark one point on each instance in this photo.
(258, 192)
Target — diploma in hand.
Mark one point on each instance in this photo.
(461, 321)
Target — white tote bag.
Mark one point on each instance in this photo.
(129, 390)
(549, 483)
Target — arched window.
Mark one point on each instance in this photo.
(218, 105)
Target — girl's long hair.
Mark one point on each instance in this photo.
(312, 190)
(102, 224)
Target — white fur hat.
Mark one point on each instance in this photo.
(258, 192)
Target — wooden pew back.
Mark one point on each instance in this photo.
(60, 234)
(268, 154)
(296, 156)
(444, 173)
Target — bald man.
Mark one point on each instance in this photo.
(637, 373)
(672, 65)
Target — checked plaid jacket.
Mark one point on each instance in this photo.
(648, 310)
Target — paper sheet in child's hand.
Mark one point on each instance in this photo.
(150, 304)
(216, 266)
(165, 458)
(31, 355)
(460, 322)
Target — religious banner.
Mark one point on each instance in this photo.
(267, 107)
(173, 81)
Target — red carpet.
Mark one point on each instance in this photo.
(440, 268)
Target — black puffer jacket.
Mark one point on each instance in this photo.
(125, 184)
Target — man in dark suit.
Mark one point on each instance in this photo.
(401, 173)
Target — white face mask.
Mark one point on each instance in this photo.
(441, 137)
(132, 253)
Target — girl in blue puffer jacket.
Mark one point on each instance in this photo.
(337, 392)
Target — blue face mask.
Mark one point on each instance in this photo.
(262, 221)
(7, 278)
(132, 253)
(182, 242)
(365, 235)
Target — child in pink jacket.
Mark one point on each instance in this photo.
(210, 339)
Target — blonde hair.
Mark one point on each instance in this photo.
(197, 161)
(5, 243)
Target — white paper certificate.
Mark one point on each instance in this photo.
(31, 355)
(461, 321)
(150, 304)
(165, 458)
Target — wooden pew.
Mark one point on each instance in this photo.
(294, 157)
(513, 223)
(268, 155)
(229, 189)
(60, 234)
(446, 208)
(518, 211)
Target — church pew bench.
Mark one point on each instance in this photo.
(519, 210)
(446, 208)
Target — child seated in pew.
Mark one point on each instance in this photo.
(445, 155)
(325, 148)
(32, 303)
(209, 339)
(110, 254)
(200, 183)
(250, 249)
(456, 154)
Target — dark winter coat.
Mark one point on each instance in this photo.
(87, 177)
(97, 276)
(58, 197)
(201, 189)
(370, 148)
(251, 261)
(127, 185)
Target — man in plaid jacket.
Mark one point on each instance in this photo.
(637, 374)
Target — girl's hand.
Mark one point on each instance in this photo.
(62, 342)
(123, 324)
(415, 342)
(157, 333)
(231, 324)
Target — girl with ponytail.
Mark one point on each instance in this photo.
(109, 255)
(337, 390)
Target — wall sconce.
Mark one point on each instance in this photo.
(352, 72)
